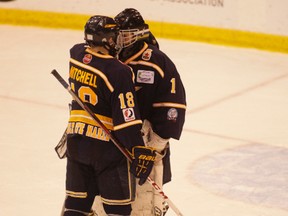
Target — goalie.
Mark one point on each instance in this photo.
(162, 103)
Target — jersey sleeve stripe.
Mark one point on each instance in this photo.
(168, 104)
(127, 124)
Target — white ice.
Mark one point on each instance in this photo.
(232, 156)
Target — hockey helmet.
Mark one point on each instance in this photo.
(130, 18)
(101, 31)
(132, 27)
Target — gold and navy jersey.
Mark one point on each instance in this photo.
(160, 91)
(107, 87)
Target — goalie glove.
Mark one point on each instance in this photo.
(142, 162)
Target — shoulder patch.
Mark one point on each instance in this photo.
(147, 54)
(87, 58)
(172, 114)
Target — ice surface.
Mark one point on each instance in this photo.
(232, 156)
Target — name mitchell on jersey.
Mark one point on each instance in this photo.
(83, 76)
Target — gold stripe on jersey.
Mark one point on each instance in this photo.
(94, 70)
(127, 124)
(98, 54)
(168, 104)
(76, 194)
(150, 64)
(140, 62)
(83, 116)
(108, 56)
(116, 202)
(136, 55)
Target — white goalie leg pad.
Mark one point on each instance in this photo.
(143, 204)
(160, 206)
(148, 201)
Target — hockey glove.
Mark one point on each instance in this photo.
(142, 162)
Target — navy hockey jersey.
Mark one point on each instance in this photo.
(106, 86)
(160, 91)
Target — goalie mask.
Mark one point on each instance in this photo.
(101, 31)
(132, 27)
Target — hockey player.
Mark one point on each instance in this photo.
(95, 166)
(162, 102)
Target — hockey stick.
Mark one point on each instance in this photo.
(113, 139)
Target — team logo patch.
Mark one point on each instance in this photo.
(128, 114)
(144, 76)
(172, 114)
(147, 54)
(87, 58)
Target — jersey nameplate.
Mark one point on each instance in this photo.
(83, 76)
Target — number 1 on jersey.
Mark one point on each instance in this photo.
(173, 85)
